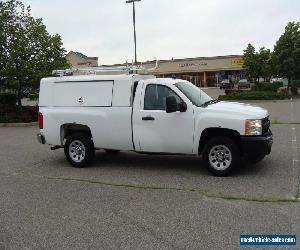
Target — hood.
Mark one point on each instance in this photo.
(246, 110)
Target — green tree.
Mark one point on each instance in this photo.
(251, 62)
(286, 55)
(264, 64)
(28, 51)
(257, 64)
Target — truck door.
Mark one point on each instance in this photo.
(155, 130)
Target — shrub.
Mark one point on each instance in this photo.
(296, 83)
(8, 99)
(266, 86)
(33, 96)
(255, 95)
(234, 90)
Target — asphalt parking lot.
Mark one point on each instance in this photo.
(132, 201)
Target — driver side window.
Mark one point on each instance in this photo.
(155, 97)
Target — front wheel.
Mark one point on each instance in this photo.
(221, 155)
(79, 150)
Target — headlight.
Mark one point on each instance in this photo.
(253, 127)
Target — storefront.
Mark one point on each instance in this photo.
(202, 71)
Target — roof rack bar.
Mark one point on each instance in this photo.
(93, 70)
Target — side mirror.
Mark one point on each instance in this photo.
(171, 104)
(182, 107)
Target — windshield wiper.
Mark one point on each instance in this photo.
(209, 103)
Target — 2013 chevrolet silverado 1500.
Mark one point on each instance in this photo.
(145, 114)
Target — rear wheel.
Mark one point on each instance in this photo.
(79, 150)
(221, 155)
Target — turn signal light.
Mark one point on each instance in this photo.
(248, 128)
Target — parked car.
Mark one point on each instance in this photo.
(226, 84)
(243, 84)
(147, 115)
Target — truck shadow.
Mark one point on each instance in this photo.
(144, 161)
(177, 164)
(184, 163)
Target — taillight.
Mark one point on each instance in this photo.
(40, 120)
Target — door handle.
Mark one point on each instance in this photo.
(148, 118)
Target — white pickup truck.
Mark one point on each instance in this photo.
(145, 114)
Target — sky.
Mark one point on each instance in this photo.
(165, 28)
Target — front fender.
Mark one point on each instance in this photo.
(205, 120)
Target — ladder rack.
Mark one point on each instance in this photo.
(101, 69)
(128, 69)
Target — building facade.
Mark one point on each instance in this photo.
(79, 60)
(201, 71)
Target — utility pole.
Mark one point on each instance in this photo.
(133, 7)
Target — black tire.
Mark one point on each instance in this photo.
(87, 149)
(112, 151)
(224, 151)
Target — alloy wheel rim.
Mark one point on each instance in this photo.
(77, 151)
(220, 157)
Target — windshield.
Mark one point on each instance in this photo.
(193, 93)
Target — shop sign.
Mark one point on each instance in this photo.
(184, 65)
(237, 62)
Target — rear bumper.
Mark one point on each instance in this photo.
(41, 138)
(257, 146)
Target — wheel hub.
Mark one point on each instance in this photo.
(78, 150)
(220, 157)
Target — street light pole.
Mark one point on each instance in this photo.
(133, 6)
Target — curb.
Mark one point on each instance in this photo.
(28, 124)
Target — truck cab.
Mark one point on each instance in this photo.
(149, 115)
